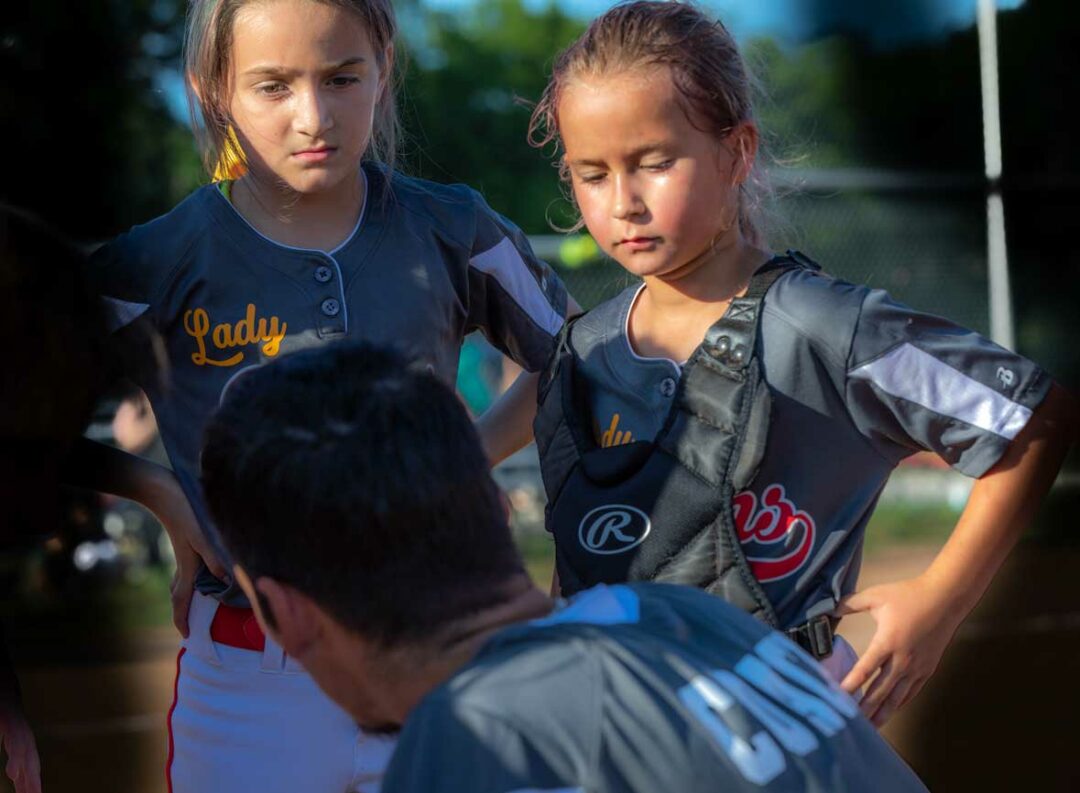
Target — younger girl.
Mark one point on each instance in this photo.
(730, 422)
(308, 237)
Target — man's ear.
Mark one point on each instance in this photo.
(288, 616)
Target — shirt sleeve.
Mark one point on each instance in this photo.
(129, 277)
(917, 381)
(126, 283)
(448, 747)
(516, 299)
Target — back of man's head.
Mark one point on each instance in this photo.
(359, 480)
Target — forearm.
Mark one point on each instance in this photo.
(96, 466)
(1002, 503)
(507, 425)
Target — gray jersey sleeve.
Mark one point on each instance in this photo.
(514, 298)
(916, 381)
(130, 276)
(447, 746)
(127, 280)
(134, 271)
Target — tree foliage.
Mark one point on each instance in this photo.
(468, 85)
(91, 145)
(88, 141)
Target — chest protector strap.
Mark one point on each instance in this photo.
(661, 510)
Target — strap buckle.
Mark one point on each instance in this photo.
(815, 636)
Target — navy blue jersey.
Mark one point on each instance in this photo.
(425, 265)
(637, 689)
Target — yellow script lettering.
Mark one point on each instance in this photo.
(197, 325)
(223, 336)
(273, 341)
(244, 332)
(250, 329)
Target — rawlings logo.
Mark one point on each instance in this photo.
(774, 520)
(613, 528)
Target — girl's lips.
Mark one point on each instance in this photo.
(638, 243)
(315, 155)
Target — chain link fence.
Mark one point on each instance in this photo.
(921, 237)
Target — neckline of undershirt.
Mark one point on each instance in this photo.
(225, 188)
(630, 347)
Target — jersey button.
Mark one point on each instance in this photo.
(667, 387)
(330, 307)
(323, 273)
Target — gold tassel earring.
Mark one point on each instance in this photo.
(231, 164)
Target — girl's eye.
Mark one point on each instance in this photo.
(344, 80)
(270, 89)
(591, 178)
(658, 166)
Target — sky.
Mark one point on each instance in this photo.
(886, 23)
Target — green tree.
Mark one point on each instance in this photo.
(468, 79)
(89, 142)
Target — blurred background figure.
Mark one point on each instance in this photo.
(879, 166)
(134, 429)
(50, 386)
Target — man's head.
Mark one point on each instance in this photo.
(353, 493)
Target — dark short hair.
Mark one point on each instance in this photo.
(359, 479)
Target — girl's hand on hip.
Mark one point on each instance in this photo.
(190, 547)
(914, 625)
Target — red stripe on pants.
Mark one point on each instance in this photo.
(168, 720)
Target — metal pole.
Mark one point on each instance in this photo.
(1001, 320)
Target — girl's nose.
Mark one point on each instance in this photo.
(627, 201)
(313, 115)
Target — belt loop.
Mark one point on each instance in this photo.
(200, 615)
(273, 657)
(293, 667)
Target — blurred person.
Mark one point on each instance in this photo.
(307, 236)
(135, 429)
(16, 736)
(53, 380)
(730, 422)
(410, 606)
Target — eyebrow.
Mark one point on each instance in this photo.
(647, 148)
(270, 70)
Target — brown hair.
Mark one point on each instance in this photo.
(207, 48)
(705, 65)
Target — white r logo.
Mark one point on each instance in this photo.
(613, 528)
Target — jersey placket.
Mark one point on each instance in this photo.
(331, 313)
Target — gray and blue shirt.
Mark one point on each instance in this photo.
(638, 689)
(858, 382)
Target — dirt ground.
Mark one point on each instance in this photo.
(101, 726)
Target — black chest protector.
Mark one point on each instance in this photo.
(661, 510)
